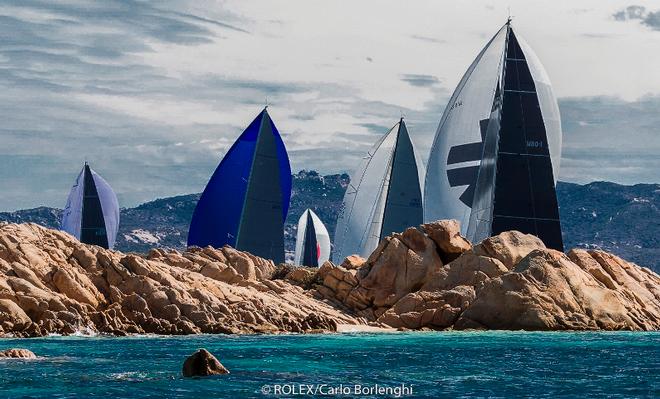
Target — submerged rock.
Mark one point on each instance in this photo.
(202, 363)
(15, 353)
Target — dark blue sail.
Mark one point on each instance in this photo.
(246, 201)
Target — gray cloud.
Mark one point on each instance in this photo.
(55, 117)
(59, 70)
(375, 128)
(428, 39)
(639, 13)
(606, 138)
(420, 80)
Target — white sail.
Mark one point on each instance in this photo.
(312, 241)
(91, 213)
(384, 196)
(449, 182)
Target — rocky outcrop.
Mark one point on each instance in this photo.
(432, 277)
(17, 354)
(202, 363)
(427, 277)
(51, 283)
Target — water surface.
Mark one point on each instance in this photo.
(439, 364)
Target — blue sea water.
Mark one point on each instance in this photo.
(433, 365)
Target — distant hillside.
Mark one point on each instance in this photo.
(619, 219)
(624, 220)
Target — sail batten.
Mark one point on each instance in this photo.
(386, 197)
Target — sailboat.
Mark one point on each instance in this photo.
(495, 158)
(91, 213)
(246, 201)
(312, 241)
(384, 195)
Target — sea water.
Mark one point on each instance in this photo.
(421, 364)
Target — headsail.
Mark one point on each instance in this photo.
(91, 213)
(312, 241)
(509, 182)
(384, 196)
(246, 201)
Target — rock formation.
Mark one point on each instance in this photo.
(202, 363)
(433, 278)
(427, 277)
(17, 354)
(51, 283)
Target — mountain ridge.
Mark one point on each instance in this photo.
(600, 215)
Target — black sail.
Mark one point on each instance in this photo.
(403, 206)
(92, 229)
(515, 188)
(310, 247)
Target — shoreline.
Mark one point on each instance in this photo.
(348, 331)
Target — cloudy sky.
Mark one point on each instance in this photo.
(153, 93)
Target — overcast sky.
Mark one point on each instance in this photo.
(153, 93)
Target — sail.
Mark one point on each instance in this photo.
(384, 196)
(403, 204)
(246, 201)
(312, 241)
(517, 191)
(91, 213)
(506, 180)
(455, 155)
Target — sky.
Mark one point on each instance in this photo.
(153, 93)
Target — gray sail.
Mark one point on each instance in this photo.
(384, 196)
(403, 205)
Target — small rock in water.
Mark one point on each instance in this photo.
(17, 354)
(202, 363)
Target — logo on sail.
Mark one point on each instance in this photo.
(466, 175)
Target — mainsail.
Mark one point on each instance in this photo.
(495, 158)
(312, 241)
(246, 201)
(384, 196)
(91, 213)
